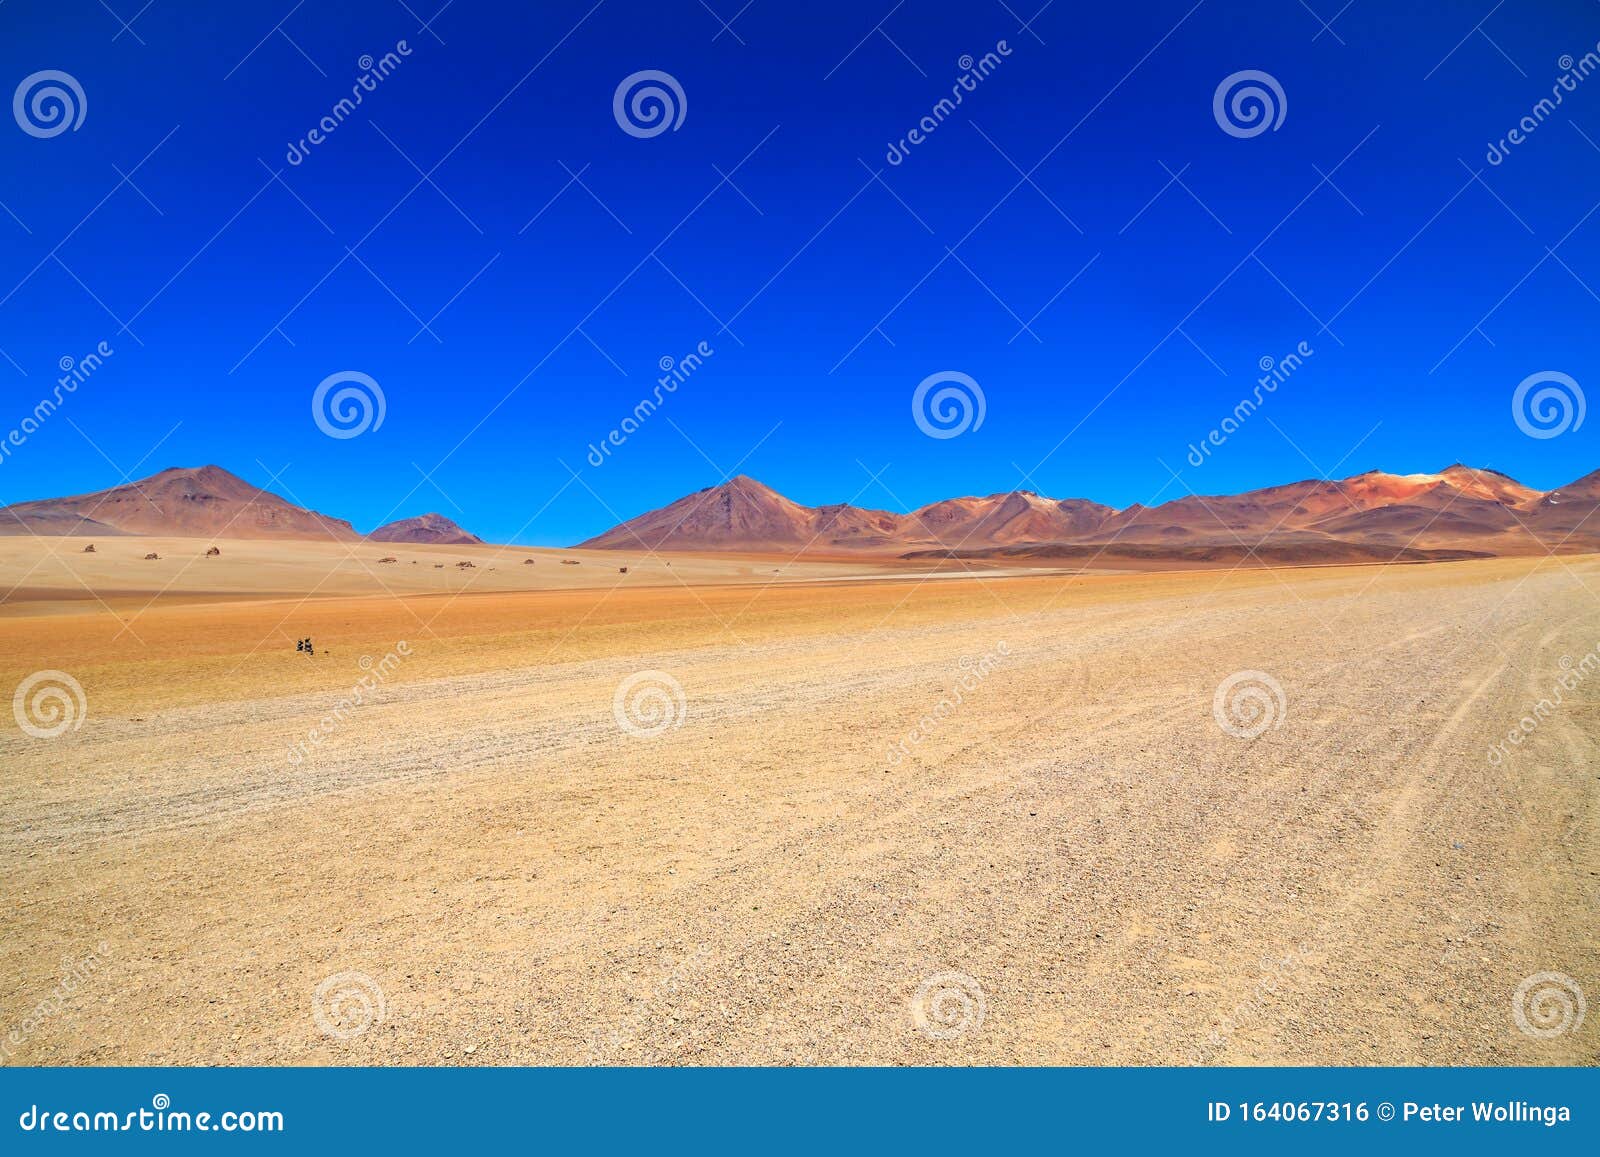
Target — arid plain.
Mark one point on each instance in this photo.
(994, 818)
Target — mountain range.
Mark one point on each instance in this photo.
(205, 502)
(1460, 512)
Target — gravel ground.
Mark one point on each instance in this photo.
(993, 822)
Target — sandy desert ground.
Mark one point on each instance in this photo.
(36, 570)
(980, 820)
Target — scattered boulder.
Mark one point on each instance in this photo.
(388, 558)
(214, 552)
(89, 549)
(527, 562)
(622, 569)
(151, 555)
(467, 565)
(569, 562)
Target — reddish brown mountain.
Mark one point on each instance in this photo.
(740, 514)
(1457, 513)
(197, 502)
(1003, 519)
(743, 514)
(1489, 484)
(1457, 501)
(425, 529)
(1567, 515)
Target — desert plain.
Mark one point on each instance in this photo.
(862, 812)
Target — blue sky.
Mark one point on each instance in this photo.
(1154, 257)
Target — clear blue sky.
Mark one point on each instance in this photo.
(549, 332)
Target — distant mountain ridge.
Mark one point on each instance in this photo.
(194, 502)
(1460, 510)
(205, 502)
(425, 529)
